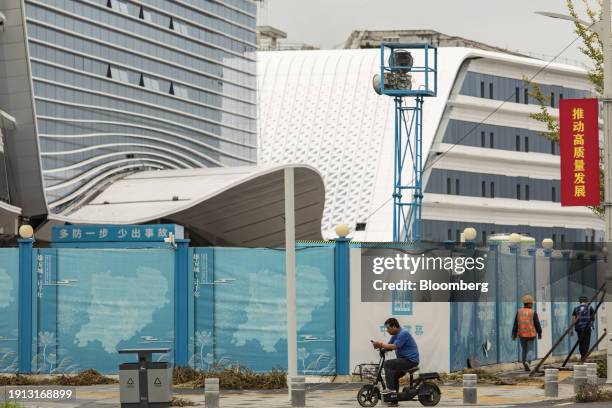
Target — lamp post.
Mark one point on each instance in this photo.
(290, 272)
(548, 245)
(603, 29)
(469, 234)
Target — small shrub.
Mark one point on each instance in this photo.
(183, 374)
(10, 405)
(87, 377)
(485, 377)
(602, 369)
(232, 377)
(593, 393)
(181, 402)
(587, 393)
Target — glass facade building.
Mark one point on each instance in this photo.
(122, 86)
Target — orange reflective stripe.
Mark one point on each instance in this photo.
(526, 328)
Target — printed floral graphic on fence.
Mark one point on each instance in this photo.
(51, 359)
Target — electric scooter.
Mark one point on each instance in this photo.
(423, 388)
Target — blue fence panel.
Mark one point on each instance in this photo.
(526, 277)
(508, 294)
(463, 334)
(249, 315)
(316, 311)
(559, 288)
(486, 315)
(92, 302)
(9, 309)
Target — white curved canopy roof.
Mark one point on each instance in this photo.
(238, 206)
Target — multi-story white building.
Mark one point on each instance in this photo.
(486, 165)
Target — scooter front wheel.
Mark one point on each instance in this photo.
(368, 396)
(429, 394)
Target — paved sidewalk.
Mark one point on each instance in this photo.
(319, 396)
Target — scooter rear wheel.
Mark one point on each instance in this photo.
(429, 395)
(368, 396)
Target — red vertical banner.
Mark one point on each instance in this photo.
(579, 141)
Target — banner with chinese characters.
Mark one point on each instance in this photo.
(116, 233)
(579, 140)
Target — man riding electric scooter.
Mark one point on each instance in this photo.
(406, 352)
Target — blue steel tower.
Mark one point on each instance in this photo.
(401, 78)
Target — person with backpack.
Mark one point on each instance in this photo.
(582, 317)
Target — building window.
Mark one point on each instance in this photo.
(491, 142)
(552, 147)
(482, 86)
(553, 195)
(180, 27)
(518, 191)
(482, 139)
(149, 82)
(527, 144)
(484, 237)
(448, 185)
(560, 97)
(119, 5)
(526, 101)
(181, 91)
(554, 238)
(492, 190)
(527, 192)
(517, 94)
(483, 193)
(118, 74)
(458, 236)
(171, 25)
(490, 90)
(449, 235)
(518, 143)
(552, 99)
(457, 187)
(361, 226)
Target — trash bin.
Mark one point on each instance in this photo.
(145, 383)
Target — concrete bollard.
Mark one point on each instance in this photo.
(298, 391)
(470, 390)
(580, 377)
(591, 373)
(211, 392)
(551, 382)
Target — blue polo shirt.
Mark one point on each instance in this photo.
(405, 345)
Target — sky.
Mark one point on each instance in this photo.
(508, 24)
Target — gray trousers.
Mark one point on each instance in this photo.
(526, 348)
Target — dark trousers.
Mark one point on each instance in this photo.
(395, 369)
(584, 342)
(526, 347)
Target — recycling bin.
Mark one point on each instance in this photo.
(145, 383)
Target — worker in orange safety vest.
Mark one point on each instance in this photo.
(526, 328)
